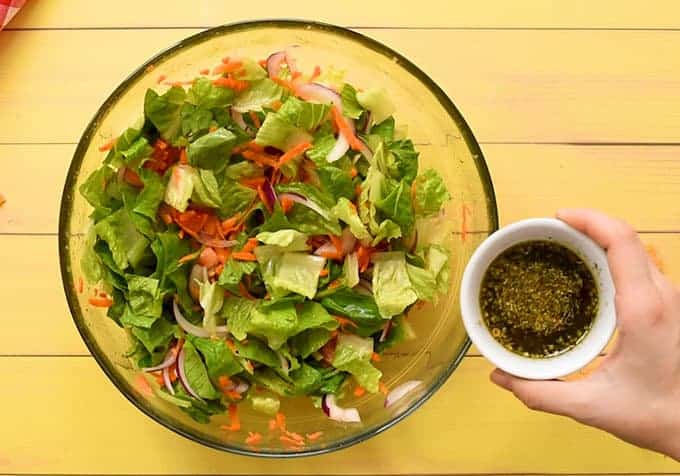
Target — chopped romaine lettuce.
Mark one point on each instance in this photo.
(206, 189)
(378, 102)
(299, 273)
(346, 212)
(353, 355)
(196, 373)
(350, 106)
(431, 193)
(180, 187)
(204, 94)
(277, 132)
(212, 150)
(262, 93)
(165, 112)
(303, 114)
(391, 285)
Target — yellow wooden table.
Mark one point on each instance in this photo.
(575, 103)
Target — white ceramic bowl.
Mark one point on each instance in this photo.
(538, 368)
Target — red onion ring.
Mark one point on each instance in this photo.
(307, 203)
(326, 248)
(319, 92)
(238, 119)
(334, 412)
(348, 241)
(401, 391)
(385, 331)
(183, 376)
(269, 193)
(290, 61)
(339, 149)
(285, 365)
(242, 387)
(214, 243)
(170, 358)
(365, 150)
(193, 329)
(274, 63)
(166, 380)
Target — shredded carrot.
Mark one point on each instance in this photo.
(189, 257)
(253, 182)
(263, 63)
(229, 223)
(292, 442)
(260, 158)
(255, 118)
(100, 302)
(353, 172)
(131, 177)
(233, 394)
(286, 204)
(465, 213)
(222, 254)
(334, 255)
(230, 344)
(228, 67)
(183, 157)
(204, 71)
(383, 388)
(143, 385)
(359, 391)
(344, 129)
(294, 152)
(108, 145)
(150, 68)
(276, 105)
(81, 285)
(364, 257)
(375, 357)
(244, 292)
(314, 436)
(233, 416)
(253, 438)
(316, 73)
(296, 436)
(250, 245)
(180, 234)
(272, 425)
(243, 256)
(337, 242)
(344, 322)
(3, 200)
(357, 190)
(161, 78)
(103, 294)
(284, 83)
(231, 83)
(324, 272)
(281, 421)
(224, 381)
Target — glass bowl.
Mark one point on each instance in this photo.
(445, 143)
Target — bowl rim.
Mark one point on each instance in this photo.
(87, 136)
(562, 364)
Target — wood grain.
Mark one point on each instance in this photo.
(409, 13)
(66, 417)
(512, 86)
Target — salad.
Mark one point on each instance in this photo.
(256, 235)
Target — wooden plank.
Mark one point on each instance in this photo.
(82, 425)
(36, 319)
(640, 184)
(526, 86)
(430, 13)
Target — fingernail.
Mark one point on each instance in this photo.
(500, 378)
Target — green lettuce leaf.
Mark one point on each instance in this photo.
(396, 205)
(345, 211)
(151, 195)
(303, 114)
(431, 193)
(385, 130)
(423, 282)
(241, 170)
(211, 299)
(233, 273)
(212, 150)
(94, 190)
(219, 359)
(206, 189)
(258, 351)
(180, 187)
(261, 93)
(336, 181)
(199, 410)
(278, 132)
(127, 245)
(235, 198)
(350, 105)
(270, 380)
(144, 296)
(313, 315)
(164, 112)
(400, 331)
(195, 121)
(360, 308)
(138, 150)
(437, 263)
(299, 273)
(378, 102)
(371, 192)
(322, 145)
(306, 379)
(131, 319)
(238, 312)
(276, 322)
(351, 270)
(406, 160)
(196, 373)
(156, 339)
(288, 240)
(391, 285)
(251, 70)
(352, 355)
(388, 230)
(92, 266)
(267, 405)
(168, 248)
(204, 94)
(309, 341)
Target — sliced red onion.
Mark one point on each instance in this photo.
(348, 241)
(274, 63)
(319, 93)
(339, 149)
(270, 193)
(325, 249)
(334, 412)
(170, 358)
(285, 365)
(193, 329)
(183, 376)
(290, 60)
(166, 380)
(307, 203)
(369, 118)
(197, 276)
(242, 387)
(401, 391)
(385, 331)
(214, 243)
(238, 119)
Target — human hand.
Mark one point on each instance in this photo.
(635, 392)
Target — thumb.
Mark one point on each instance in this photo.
(552, 396)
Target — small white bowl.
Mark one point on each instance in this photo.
(550, 367)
